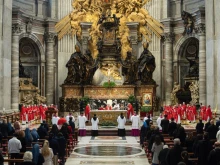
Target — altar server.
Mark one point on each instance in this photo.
(68, 118)
(135, 119)
(82, 124)
(159, 122)
(55, 119)
(121, 125)
(95, 122)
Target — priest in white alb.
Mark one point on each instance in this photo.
(135, 119)
(55, 119)
(68, 118)
(82, 124)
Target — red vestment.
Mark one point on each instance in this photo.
(208, 113)
(130, 111)
(87, 111)
(108, 108)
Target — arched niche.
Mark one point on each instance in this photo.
(188, 51)
(30, 58)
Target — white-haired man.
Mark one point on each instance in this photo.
(174, 155)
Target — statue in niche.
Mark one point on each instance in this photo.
(146, 66)
(193, 66)
(129, 69)
(89, 68)
(22, 73)
(74, 65)
(188, 22)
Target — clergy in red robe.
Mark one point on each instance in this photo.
(23, 114)
(87, 111)
(108, 107)
(102, 107)
(130, 111)
(208, 113)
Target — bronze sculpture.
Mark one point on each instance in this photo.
(74, 72)
(129, 69)
(146, 66)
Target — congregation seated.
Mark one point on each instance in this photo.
(54, 130)
(174, 155)
(42, 132)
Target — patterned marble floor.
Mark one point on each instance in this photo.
(108, 150)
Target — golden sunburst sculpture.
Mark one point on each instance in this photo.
(126, 10)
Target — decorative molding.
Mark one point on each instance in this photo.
(169, 37)
(49, 37)
(201, 29)
(85, 39)
(16, 29)
(29, 25)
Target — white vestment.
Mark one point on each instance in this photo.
(68, 118)
(218, 136)
(121, 122)
(159, 122)
(82, 122)
(55, 119)
(135, 122)
(95, 124)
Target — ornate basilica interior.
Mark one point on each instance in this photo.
(56, 52)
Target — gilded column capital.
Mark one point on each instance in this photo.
(49, 36)
(201, 29)
(16, 29)
(169, 37)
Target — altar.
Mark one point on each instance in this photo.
(107, 115)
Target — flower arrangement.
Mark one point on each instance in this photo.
(107, 123)
(109, 84)
(146, 108)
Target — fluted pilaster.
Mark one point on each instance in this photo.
(16, 31)
(169, 37)
(50, 72)
(201, 30)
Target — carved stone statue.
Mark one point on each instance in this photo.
(193, 66)
(28, 99)
(176, 88)
(194, 89)
(146, 66)
(129, 69)
(188, 22)
(74, 66)
(38, 99)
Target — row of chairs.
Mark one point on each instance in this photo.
(168, 141)
(71, 143)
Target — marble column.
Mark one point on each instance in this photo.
(168, 66)
(16, 30)
(202, 63)
(50, 72)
